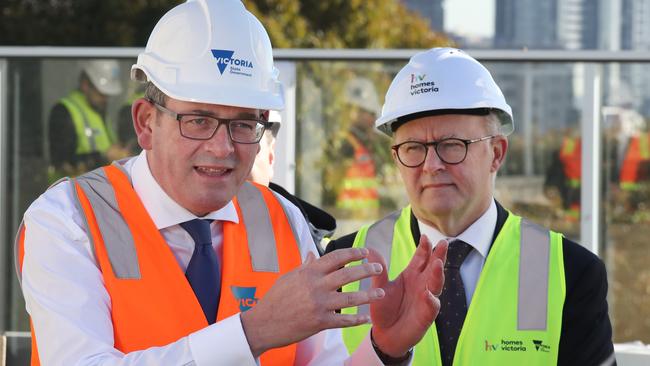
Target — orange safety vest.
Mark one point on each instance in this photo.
(571, 158)
(152, 301)
(637, 153)
(360, 183)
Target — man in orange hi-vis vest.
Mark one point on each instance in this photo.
(173, 258)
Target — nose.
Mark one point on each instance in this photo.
(432, 162)
(220, 144)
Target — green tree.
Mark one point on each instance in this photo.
(344, 24)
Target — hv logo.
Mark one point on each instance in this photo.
(245, 297)
(540, 346)
(225, 58)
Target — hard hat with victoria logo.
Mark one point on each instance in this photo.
(211, 51)
(442, 81)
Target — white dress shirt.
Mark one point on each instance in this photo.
(71, 309)
(479, 236)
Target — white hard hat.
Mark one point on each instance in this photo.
(211, 51)
(443, 81)
(361, 92)
(104, 74)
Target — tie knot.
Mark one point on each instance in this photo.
(199, 230)
(456, 254)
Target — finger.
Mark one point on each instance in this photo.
(434, 272)
(341, 300)
(345, 275)
(311, 257)
(336, 320)
(339, 258)
(433, 306)
(381, 279)
(421, 257)
(440, 251)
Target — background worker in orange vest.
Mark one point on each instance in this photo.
(635, 177)
(563, 177)
(173, 258)
(321, 224)
(358, 194)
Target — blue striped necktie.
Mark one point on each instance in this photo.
(203, 272)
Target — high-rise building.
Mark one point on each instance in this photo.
(430, 10)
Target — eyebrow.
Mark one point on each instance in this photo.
(202, 112)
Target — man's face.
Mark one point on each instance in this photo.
(439, 191)
(202, 176)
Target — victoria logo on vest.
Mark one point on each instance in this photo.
(245, 297)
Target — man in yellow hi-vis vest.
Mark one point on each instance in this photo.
(515, 293)
(79, 134)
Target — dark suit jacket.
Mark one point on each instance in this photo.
(586, 337)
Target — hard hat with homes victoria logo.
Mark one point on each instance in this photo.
(442, 81)
(211, 51)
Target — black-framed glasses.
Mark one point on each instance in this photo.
(451, 150)
(203, 127)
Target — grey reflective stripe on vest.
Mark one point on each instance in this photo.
(380, 238)
(259, 230)
(17, 264)
(19, 274)
(116, 234)
(303, 248)
(534, 261)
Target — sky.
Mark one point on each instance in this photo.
(469, 17)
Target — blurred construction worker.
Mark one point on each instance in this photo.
(358, 192)
(125, 134)
(563, 177)
(173, 258)
(79, 134)
(321, 224)
(635, 177)
(515, 293)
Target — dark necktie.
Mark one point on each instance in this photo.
(453, 305)
(203, 271)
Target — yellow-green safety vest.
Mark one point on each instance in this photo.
(93, 135)
(515, 316)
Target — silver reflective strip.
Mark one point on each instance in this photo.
(534, 259)
(303, 248)
(379, 238)
(116, 234)
(16, 259)
(257, 220)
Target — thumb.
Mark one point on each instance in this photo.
(381, 279)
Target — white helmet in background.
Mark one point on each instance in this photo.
(211, 51)
(362, 93)
(443, 81)
(104, 74)
(276, 119)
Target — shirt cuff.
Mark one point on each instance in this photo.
(222, 343)
(366, 355)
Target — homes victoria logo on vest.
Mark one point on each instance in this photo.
(420, 85)
(238, 66)
(506, 345)
(245, 297)
(540, 346)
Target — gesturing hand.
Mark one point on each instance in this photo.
(276, 321)
(410, 306)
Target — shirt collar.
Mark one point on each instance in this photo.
(478, 234)
(164, 211)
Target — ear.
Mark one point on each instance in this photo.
(265, 115)
(499, 149)
(272, 153)
(143, 114)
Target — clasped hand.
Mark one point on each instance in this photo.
(304, 301)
